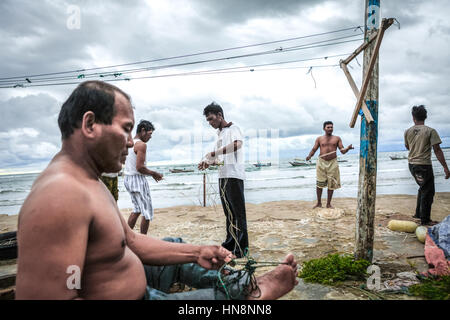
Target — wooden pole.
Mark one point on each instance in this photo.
(368, 75)
(365, 212)
(204, 190)
(356, 92)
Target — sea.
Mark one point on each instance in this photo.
(280, 181)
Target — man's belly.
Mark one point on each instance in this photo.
(120, 280)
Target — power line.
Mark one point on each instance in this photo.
(121, 72)
(183, 56)
(215, 71)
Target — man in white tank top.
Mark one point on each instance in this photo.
(135, 177)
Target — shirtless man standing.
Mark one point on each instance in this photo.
(70, 225)
(327, 168)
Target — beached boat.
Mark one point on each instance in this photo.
(395, 157)
(180, 170)
(259, 164)
(8, 245)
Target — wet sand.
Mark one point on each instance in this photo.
(277, 228)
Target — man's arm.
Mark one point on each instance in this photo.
(341, 147)
(153, 251)
(313, 150)
(440, 156)
(406, 141)
(141, 152)
(211, 157)
(52, 236)
(232, 147)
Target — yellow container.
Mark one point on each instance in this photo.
(421, 233)
(403, 226)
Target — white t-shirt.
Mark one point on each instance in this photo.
(233, 162)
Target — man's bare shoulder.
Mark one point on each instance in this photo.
(56, 194)
(140, 146)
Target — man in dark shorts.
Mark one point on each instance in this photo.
(229, 153)
(419, 140)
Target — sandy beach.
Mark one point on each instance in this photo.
(277, 228)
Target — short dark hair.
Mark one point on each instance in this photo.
(327, 123)
(146, 125)
(419, 112)
(95, 96)
(213, 108)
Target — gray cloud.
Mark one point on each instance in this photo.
(34, 38)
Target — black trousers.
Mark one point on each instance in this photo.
(423, 174)
(233, 202)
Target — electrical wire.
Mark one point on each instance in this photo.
(122, 72)
(182, 56)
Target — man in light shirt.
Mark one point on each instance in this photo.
(419, 139)
(231, 177)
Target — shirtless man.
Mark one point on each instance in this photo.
(70, 224)
(327, 168)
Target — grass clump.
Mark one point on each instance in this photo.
(333, 268)
(432, 288)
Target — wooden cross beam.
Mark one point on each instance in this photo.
(385, 23)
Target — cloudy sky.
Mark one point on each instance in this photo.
(283, 103)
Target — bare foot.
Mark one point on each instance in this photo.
(329, 206)
(318, 205)
(276, 283)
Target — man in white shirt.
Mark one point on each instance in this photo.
(231, 177)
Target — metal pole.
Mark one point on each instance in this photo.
(204, 190)
(365, 212)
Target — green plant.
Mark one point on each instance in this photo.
(333, 268)
(432, 288)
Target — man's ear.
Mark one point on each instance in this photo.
(88, 124)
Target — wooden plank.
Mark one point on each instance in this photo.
(360, 48)
(368, 74)
(352, 83)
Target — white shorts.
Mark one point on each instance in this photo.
(139, 190)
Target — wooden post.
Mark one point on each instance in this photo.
(204, 190)
(356, 92)
(365, 212)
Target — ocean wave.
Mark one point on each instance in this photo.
(14, 190)
(277, 178)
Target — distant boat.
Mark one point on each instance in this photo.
(180, 170)
(342, 160)
(302, 163)
(259, 164)
(396, 157)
